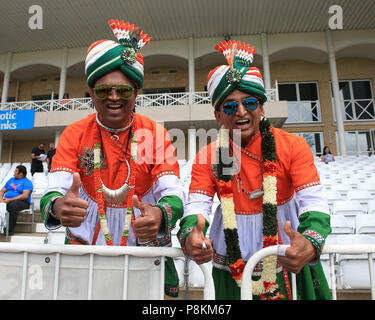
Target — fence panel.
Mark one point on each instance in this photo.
(331, 250)
(59, 272)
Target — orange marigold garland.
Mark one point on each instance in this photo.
(266, 287)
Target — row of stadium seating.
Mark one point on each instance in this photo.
(350, 190)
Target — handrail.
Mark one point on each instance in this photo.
(108, 251)
(143, 100)
(349, 249)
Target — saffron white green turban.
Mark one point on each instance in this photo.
(105, 56)
(238, 74)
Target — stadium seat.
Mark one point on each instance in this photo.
(368, 185)
(348, 208)
(29, 211)
(353, 269)
(362, 196)
(365, 224)
(332, 195)
(342, 188)
(341, 225)
(371, 207)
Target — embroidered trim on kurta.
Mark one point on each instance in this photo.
(314, 236)
(207, 193)
(307, 185)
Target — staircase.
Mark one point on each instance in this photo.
(23, 231)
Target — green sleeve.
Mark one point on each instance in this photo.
(173, 209)
(315, 226)
(186, 226)
(45, 209)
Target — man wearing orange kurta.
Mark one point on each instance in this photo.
(115, 179)
(270, 192)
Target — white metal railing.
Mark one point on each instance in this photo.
(143, 100)
(303, 112)
(331, 250)
(65, 271)
(356, 109)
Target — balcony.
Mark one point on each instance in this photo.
(143, 100)
(173, 110)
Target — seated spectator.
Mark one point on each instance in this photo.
(16, 193)
(327, 155)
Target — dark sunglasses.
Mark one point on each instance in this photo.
(103, 91)
(250, 104)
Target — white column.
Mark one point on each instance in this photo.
(336, 92)
(1, 144)
(266, 62)
(192, 142)
(63, 73)
(4, 96)
(11, 149)
(191, 69)
(57, 136)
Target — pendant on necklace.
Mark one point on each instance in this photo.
(117, 196)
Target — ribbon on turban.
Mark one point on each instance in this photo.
(238, 74)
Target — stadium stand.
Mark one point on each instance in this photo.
(349, 189)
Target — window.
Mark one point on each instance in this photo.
(163, 97)
(314, 140)
(44, 97)
(163, 90)
(357, 142)
(303, 101)
(357, 100)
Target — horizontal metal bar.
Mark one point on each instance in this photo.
(99, 250)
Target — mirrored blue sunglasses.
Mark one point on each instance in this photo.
(250, 104)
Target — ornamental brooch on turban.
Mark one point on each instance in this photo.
(105, 56)
(238, 74)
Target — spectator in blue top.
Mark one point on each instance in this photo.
(16, 193)
(327, 155)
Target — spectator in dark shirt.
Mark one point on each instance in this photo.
(37, 156)
(51, 152)
(16, 193)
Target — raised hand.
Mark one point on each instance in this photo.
(70, 209)
(147, 224)
(194, 243)
(300, 252)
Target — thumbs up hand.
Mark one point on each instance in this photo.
(194, 243)
(70, 209)
(147, 224)
(300, 252)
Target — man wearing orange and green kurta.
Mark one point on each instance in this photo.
(115, 179)
(270, 192)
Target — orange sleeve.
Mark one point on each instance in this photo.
(303, 171)
(66, 158)
(202, 179)
(164, 157)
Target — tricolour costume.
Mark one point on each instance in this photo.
(275, 181)
(115, 164)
